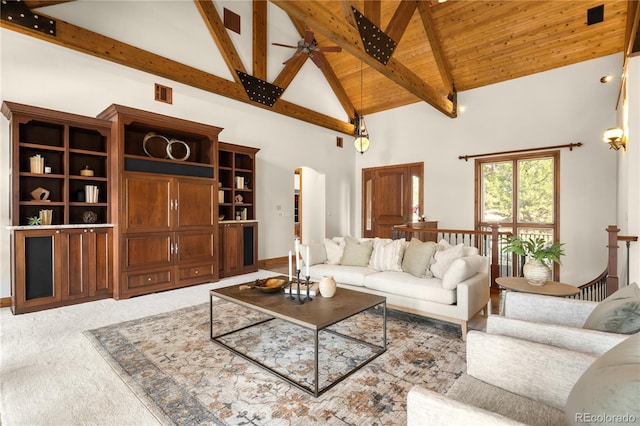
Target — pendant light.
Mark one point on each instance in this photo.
(361, 142)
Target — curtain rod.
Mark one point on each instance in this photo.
(570, 146)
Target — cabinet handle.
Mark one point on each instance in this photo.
(170, 204)
(171, 249)
(196, 272)
(176, 204)
(84, 230)
(57, 232)
(149, 279)
(177, 248)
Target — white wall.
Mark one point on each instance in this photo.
(629, 175)
(42, 74)
(552, 108)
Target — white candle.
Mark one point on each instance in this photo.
(297, 247)
(307, 261)
(290, 276)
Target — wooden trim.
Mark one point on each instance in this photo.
(444, 67)
(260, 39)
(612, 262)
(5, 302)
(400, 20)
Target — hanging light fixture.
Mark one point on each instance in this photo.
(361, 142)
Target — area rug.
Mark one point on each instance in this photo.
(169, 362)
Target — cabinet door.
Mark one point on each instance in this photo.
(197, 246)
(76, 263)
(37, 266)
(230, 249)
(194, 203)
(141, 251)
(249, 253)
(146, 203)
(101, 269)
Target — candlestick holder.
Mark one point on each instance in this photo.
(308, 298)
(290, 296)
(298, 300)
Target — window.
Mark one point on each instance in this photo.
(521, 193)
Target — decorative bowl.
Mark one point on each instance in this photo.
(270, 285)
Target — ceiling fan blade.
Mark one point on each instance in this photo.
(316, 60)
(308, 36)
(285, 45)
(329, 49)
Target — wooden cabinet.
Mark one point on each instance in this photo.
(55, 157)
(167, 215)
(236, 174)
(238, 248)
(58, 267)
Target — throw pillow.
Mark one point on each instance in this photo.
(317, 254)
(417, 257)
(334, 251)
(356, 253)
(461, 269)
(387, 254)
(608, 390)
(444, 258)
(618, 313)
(469, 251)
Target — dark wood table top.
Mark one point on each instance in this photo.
(318, 314)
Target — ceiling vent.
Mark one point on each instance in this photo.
(595, 15)
(231, 20)
(163, 93)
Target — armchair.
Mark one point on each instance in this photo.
(511, 381)
(552, 321)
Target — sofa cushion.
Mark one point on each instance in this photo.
(417, 257)
(608, 388)
(461, 269)
(352, 275)
(317, 253)
(334, 250)
(618, 313)
(444, 258)
(356, 253)
(404, 284)
(387, 254)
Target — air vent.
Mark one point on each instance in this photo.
(339, 141)
(163, 93)
(595, 15)
(231, 21)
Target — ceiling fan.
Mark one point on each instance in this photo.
(308, 45)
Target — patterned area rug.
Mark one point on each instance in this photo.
(169, 363)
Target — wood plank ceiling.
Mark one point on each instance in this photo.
(442, 48)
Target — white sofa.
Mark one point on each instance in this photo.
(466, 277)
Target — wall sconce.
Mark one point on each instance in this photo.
(615, 138)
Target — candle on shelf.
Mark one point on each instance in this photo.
(307, 261)
(297, 247)
(290, 276)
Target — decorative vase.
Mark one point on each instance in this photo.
(327, 286)
(536, 272)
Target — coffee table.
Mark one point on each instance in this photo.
(317, 316)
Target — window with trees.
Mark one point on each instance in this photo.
(521, 194)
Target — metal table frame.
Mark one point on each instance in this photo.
(314, 390)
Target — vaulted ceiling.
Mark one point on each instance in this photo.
(401, 52)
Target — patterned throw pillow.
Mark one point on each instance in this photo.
(444, 258)
(334, 251)
(356, 253)
(618, 313)
(387, 254)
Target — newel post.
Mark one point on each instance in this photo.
(495, 254)
(612, 266)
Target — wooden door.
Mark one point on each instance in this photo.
(230, 249)
(389, 197)
(147, 203)
(76, 263)
(143, 251)
(194, 203)
(101, 255)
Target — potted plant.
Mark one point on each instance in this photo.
(538, 252)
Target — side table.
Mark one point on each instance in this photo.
(550, 288)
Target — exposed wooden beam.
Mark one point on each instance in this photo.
(289, 71)
(372, 11)
(400, 19)
(444, 67)
(260, 39)
(321, 19)
(632, 33)
(221, 37)
(88, 42)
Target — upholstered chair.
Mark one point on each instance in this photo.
(511, 381)
(591, 327)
